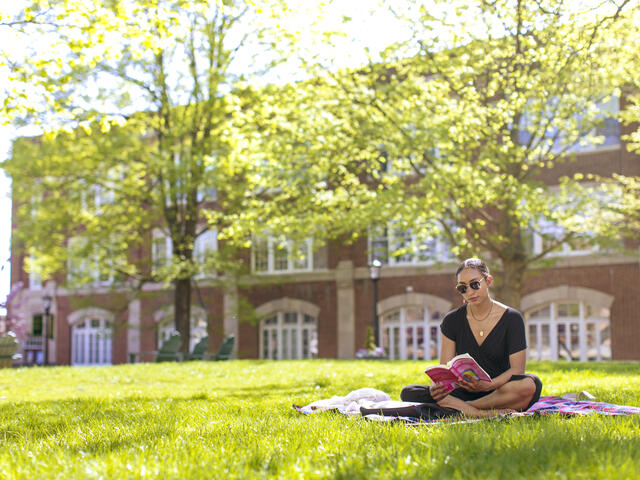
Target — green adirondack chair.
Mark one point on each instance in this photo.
(169, 351)
(225, 350)
(199, 350)
(9, 350)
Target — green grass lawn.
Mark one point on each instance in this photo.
(218, 420)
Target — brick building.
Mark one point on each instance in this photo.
(585, 307)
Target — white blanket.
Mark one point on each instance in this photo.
(351, 403)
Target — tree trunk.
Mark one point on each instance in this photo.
(182, 311)
(510, 283)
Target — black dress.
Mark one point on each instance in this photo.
(506, 338)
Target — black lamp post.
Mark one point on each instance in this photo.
(374, 274)
(46, 301)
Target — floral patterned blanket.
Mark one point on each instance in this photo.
(558, 405)
(545, 406)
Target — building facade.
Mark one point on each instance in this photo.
(320, 302)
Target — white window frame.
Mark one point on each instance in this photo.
(205, 242)
(565, 249)
(87, 266)
(272, 247)
(277, 338)
(392, 330)
(442, 253)
(612, 107)
(535, 350)
(92, 345)
(35, 278)
(156, 261)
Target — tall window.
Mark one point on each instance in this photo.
(205, 244)
(607, 129)
(397, 246)
(549, 232)
(35, 279)
(161, 250)
(411, 333)
(568, 331)
(83, 266)
(277, 255)
(91, 342)
(606, 132)
(288, 335)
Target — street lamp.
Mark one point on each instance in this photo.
(374, 275)
(46, 302)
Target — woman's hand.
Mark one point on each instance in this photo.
(474, 385)
(438, 391)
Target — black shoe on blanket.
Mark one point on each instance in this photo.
(424, 411)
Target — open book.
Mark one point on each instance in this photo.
(460, 366)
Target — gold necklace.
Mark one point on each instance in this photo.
(483, 319)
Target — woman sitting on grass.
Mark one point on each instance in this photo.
(493, 334)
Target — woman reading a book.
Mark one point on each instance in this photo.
(494, 335)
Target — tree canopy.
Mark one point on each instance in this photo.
(146, 106)
(459, 131)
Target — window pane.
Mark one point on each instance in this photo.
(265, 343)
(545, 342)
(409, 342)
(290, 318)
(294, 343)
(592, 346)
(575, 341)
(260, 255)
(427, 250)
(605, 340)
(385, 340)
(415, 314)
(393, 317)
(574, 310)
(564, 342)
(274, 344)
(532, 342)
(544, 312)
(420, 333)
(433, 342)
(300, 256)
(379, 244)
(305, 343)
(402, 243)
(280, 257)
(396, 342)
(285, 343)
(36, 325)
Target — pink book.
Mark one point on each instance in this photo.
(459, 366)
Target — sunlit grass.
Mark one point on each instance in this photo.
(215, 420)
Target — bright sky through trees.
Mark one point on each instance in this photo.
(367, 27)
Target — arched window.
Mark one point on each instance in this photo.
(410, 325)
(411, 333)
(288, 335)
(569, 330)
(91, 337)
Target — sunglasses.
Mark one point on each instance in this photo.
(474, 284)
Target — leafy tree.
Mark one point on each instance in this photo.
(146, 107)
(629, 69)
(458, 131)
